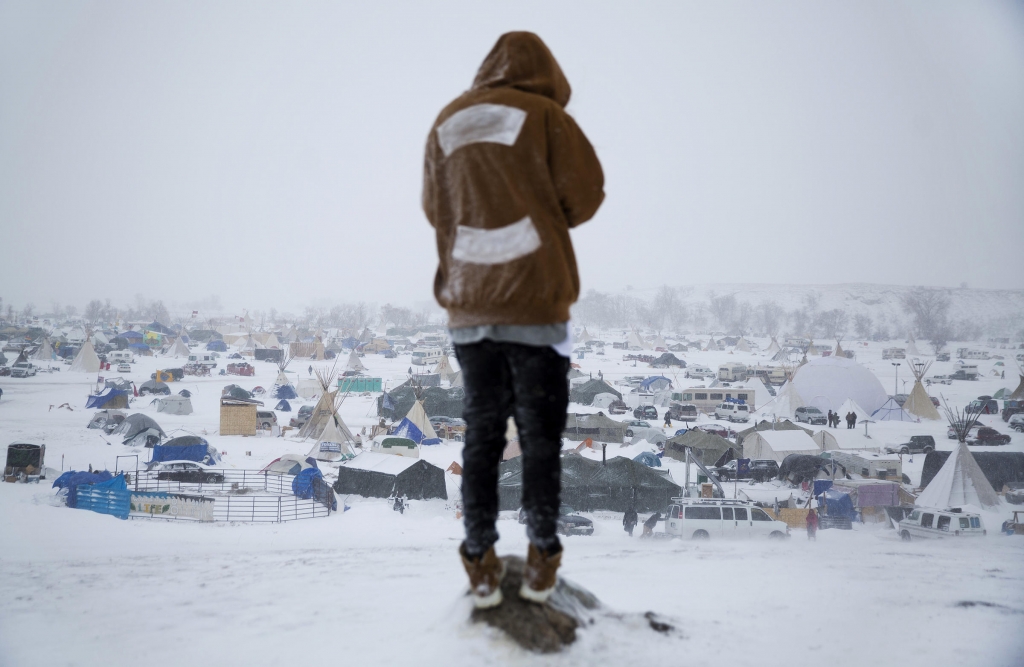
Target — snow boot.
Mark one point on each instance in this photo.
(485, 575)
(540, 575)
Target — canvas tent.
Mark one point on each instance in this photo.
(1000, 468)
(585, 392)
(765, 425)
(335, 442)
(436, 401)
(174, 405)
(616, 485)
(107, 399)
(635, 342)
(827, 382)
(579, 427)
(850, 405)
(844, 440)
(892, 412)
(86, 360)
(777, 445)
(283, 387)
(373, 475)
(919, 403)
(742, 345)
(1018, 393)
(445, 370)
(959, 482)
(774, 347)
(707, 448)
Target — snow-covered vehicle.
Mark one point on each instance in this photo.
(124, 367)
(698, 371)
(810, 415)
(22, 369)
(1017, 422)
(733, 412)
(185, 471)
(705, 518)
(934, 523)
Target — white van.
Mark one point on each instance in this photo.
(931, 523)
(203, 359)
(697, 371)
(427, 357)
(732, 372)
(121, 356)
(734, 412)
(705, 518)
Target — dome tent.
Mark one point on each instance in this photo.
(827, 382)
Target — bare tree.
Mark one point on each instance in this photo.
(862, 325)
(723, 309)
(769, 317)
(833, 323)
(800, 321)
(929, 308)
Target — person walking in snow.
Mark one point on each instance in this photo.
(650, 524)
(507, 174)
(629, 521)
(812, 525)
(668, 419)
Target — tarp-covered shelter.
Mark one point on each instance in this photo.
(585, 392)
(668, 360)
(289, 464)
(104, 417)
(655, 383)
(960, 481)
(217, 346)
(154, 387)
(616, 485)
(777, 445)
(283, 405)
(706, 447)
(579, 427)
(139, 430)
(187, 448)
(375, 475)
(799, 468)
(108, 399)
(765, 425)
(999, 468)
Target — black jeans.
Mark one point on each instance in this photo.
(529, 383)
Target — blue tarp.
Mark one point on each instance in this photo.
(217, 346)
(646, 383)
(649, 459)
(110, 497)
(821, 486)
(302, 485)
(406, 429)
(201, 453)
(139, 346)
(101, 399)
(838, 504)
(71, 480)
(130, 335)
(285, 391)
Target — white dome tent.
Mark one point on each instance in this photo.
(827, 382)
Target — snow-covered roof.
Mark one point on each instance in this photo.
(385, 463)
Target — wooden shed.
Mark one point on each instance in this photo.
(237, 416)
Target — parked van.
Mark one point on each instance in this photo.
(208, 359)
(427, 357)
(697, 371)
(967, 353)
(932, 523)
(732, 372)
(682, 412)
(734, 412)
(121, 356)
(706, 518)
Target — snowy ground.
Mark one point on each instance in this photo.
(370, 586)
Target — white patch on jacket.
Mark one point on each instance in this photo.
(494, 123)
(495, 246)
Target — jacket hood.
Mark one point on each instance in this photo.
(522, 60)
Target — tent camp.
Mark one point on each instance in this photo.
(635, 342)
(585, 392)
(959, 482)
(139, 430)
(892, 412)
(86, 360)
(777, 445)
(437, 401)
(374, 475)
(416, 427)
(827, 382)
(706, 447)
(579, 427)
(174, 405)
(616, 485)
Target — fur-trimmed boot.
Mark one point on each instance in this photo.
(485, 575)
(540, 575)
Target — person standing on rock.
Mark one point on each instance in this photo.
(507, 174)
(629, 521)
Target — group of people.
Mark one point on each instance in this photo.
(833, 419)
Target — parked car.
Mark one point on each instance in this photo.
(1011, 408)
(186, 471)
(1017, 422)
(942, 356)
(951, 434)
(646, 412)
(22, 369)
(760, 470)
(301, 417)
(932, 523)
(124, 367)
(569, 521)
(266, 419)
(243, 368)
(810, 415)
(734, 412)
(985, 405)
(638, 422)
(683, 412)
(617, 407)
(168, 375)
(989, 437)
(706, 518)
(919, 444)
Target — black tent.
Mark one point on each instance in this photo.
(585, 392)
(591, 485)
(1000, 468)
(667, 360)
(707, 448)
(437, 402)
(420, 481)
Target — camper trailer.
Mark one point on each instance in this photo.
(208, 359)
(967, 353)
(732, 372)
(894, 353)
(120, 356)
(707, 400)
(965, 372)
(773, 375)
(427, 357)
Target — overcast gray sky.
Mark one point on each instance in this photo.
(270, 153)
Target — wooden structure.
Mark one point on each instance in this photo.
(238, 416)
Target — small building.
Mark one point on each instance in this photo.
(238, 416)
(777, 445)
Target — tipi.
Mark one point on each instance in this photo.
(919, 403)
(45, 351)
(354, 365)
(912, 345)
(585, 337)
(712, 345)
(1018, 393)
(774, 348)
(959, 482)
(741, 345)
(850, 405)
(178, 349)
(891, 412)
(282, 385)
(335, 442)
(417, 427)
(445, 370)
(86, 360)
(635, 342)
(840, 352)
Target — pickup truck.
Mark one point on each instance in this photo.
(919, 444)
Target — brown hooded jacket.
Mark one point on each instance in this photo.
(507, 173)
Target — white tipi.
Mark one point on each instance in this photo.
(774, 347)
(445, 370)
(912, 345)
(959, 482)
(86, 360)
(712, 345)
(585, 337)
(45, 351)
(354, 364)
(178, 349)
(741, 345)
(335, 442)
(850, 405)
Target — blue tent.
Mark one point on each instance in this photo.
(645, 385)
(285, 391)
(283, 406)
(649, 459)
(186, 448)
(108, 395)
(217, 346)
(406, 429)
